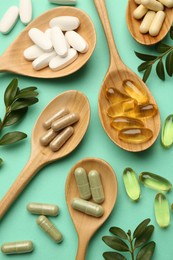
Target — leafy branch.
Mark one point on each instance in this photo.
(162, 65)
(128, 242)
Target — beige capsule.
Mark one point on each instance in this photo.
(157, 23)
(18, 247)
(140, 11)
(48, 137)
(96, 186)
(82, 183)
(152, 5)
(65, 121)
(61, 138)
(146, 23)
(167, 3)
(43, 209)
(62, 112)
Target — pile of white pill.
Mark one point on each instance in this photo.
(58, 46)
(9, 19)
(152, 12)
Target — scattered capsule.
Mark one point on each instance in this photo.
(19, 247)
(87, 207)
(96, 186)
(49, 228)
(131, 184)
(157, 23)
(60, 113)
(162, 212)
(152, 5)
(48, 137)
(146, 22)
(121, 122)
(135, 135)
(144, 111)
(167, 3)
(82, 183)
(155, 181)
(121, 108)
(65, 121)
(167, 132)
(43, 209)
(140, 11)
(135, 91)
(115, 96)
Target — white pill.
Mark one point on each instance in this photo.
(76, 41)
(140, 11)
(32, 52)
(63, 2)
(59, 42)
(58, 63)
(43, 60)
(167, 3)
(146, 23)
(138, 2)
(152, 5)
(9, 19)
(65, 23)
(40, 39)
(48, 33)
(25, 11)
(157, 23)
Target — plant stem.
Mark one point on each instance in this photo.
(131, 246)
(162, 55)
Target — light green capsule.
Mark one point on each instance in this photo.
(131, 184)
(87, 207)
(167, 132)
(49, 228)
(82, 183)
(43, 209)
(18, 247)
(96, 186)
(162, 212)
(155, 181)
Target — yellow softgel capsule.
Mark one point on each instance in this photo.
(167, 132)
(96, 186)
(155, 181)
(121, 108)
(115, 96)
(145, 111)
(121, 122)
(18, 247)
(82, 183)
(162, 212)
(135, 135)
(131, 184)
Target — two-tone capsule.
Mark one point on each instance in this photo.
(131, 184)
(162, 211)
(167, 132)
(82, 183)
(43, 209)
(96, 186)
(18, 247)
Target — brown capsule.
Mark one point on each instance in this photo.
(47, 137)
(62, 112)
(65, 121)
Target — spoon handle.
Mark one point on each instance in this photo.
(82, 246)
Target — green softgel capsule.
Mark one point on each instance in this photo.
(155, 181)
(131, 184)
(167, 132)
(82, 183)
(162, 212)
(18, 247)
(96, 186)
(43, 209)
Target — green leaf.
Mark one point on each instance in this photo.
(146, 252)
(22, 103)
(162, 47)
(12, 137)
(147, 73)
(145, 57)
(143, 66)
(15, 116)
(27, 89)
(115, 243)
(113, 256)
(129, 233)
(171, 32)
(141, 227)
(10, 92)
(118, 232)
(145, 236)
(1, 161)
(160, 70)
(27, 94)
(169, 63)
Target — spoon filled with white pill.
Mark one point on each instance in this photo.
(87, 214)
(37, 52)
(149, 21)
(70, 112)
(127, 110)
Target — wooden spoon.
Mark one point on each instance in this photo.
(75, 101)
(133, 25)
(116, 74)
(87, 225)
(13, 61)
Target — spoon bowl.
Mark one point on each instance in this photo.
(87, 225)
(13, 60)
(134, 24)
(40, 155)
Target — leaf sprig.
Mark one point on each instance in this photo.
(16, 102)
(128, 242)
(164, 61)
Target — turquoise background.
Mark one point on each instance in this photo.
(49, 185)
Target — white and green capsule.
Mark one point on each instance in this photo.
(82, 183)
(131, 184)
(167, 132)
(162, 211)
(18, 247)
(96, 186)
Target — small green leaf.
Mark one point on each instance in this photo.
(145, 57)
(27, 94)
(171, 32)
(10, 92)
(129, 233)
(22, 103)
(113, 256)
(118, 232)
(162, 47)
(147, 73)
(146, 252)
(15, 116)
(169, 63)
(141, 227)
(160, 70)
(1, 161)
(12, 137)
(115, 243)
(145, 236)
(27, 89)
(143, 66)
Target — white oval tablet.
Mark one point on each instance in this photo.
(43, 60)
(48, 33)
(59, 42)
(9, 19)
(32, 52)
(40, 39)
(65, 23)
(25, 11)
(76, 41)
(63, 2)
(58, 63)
